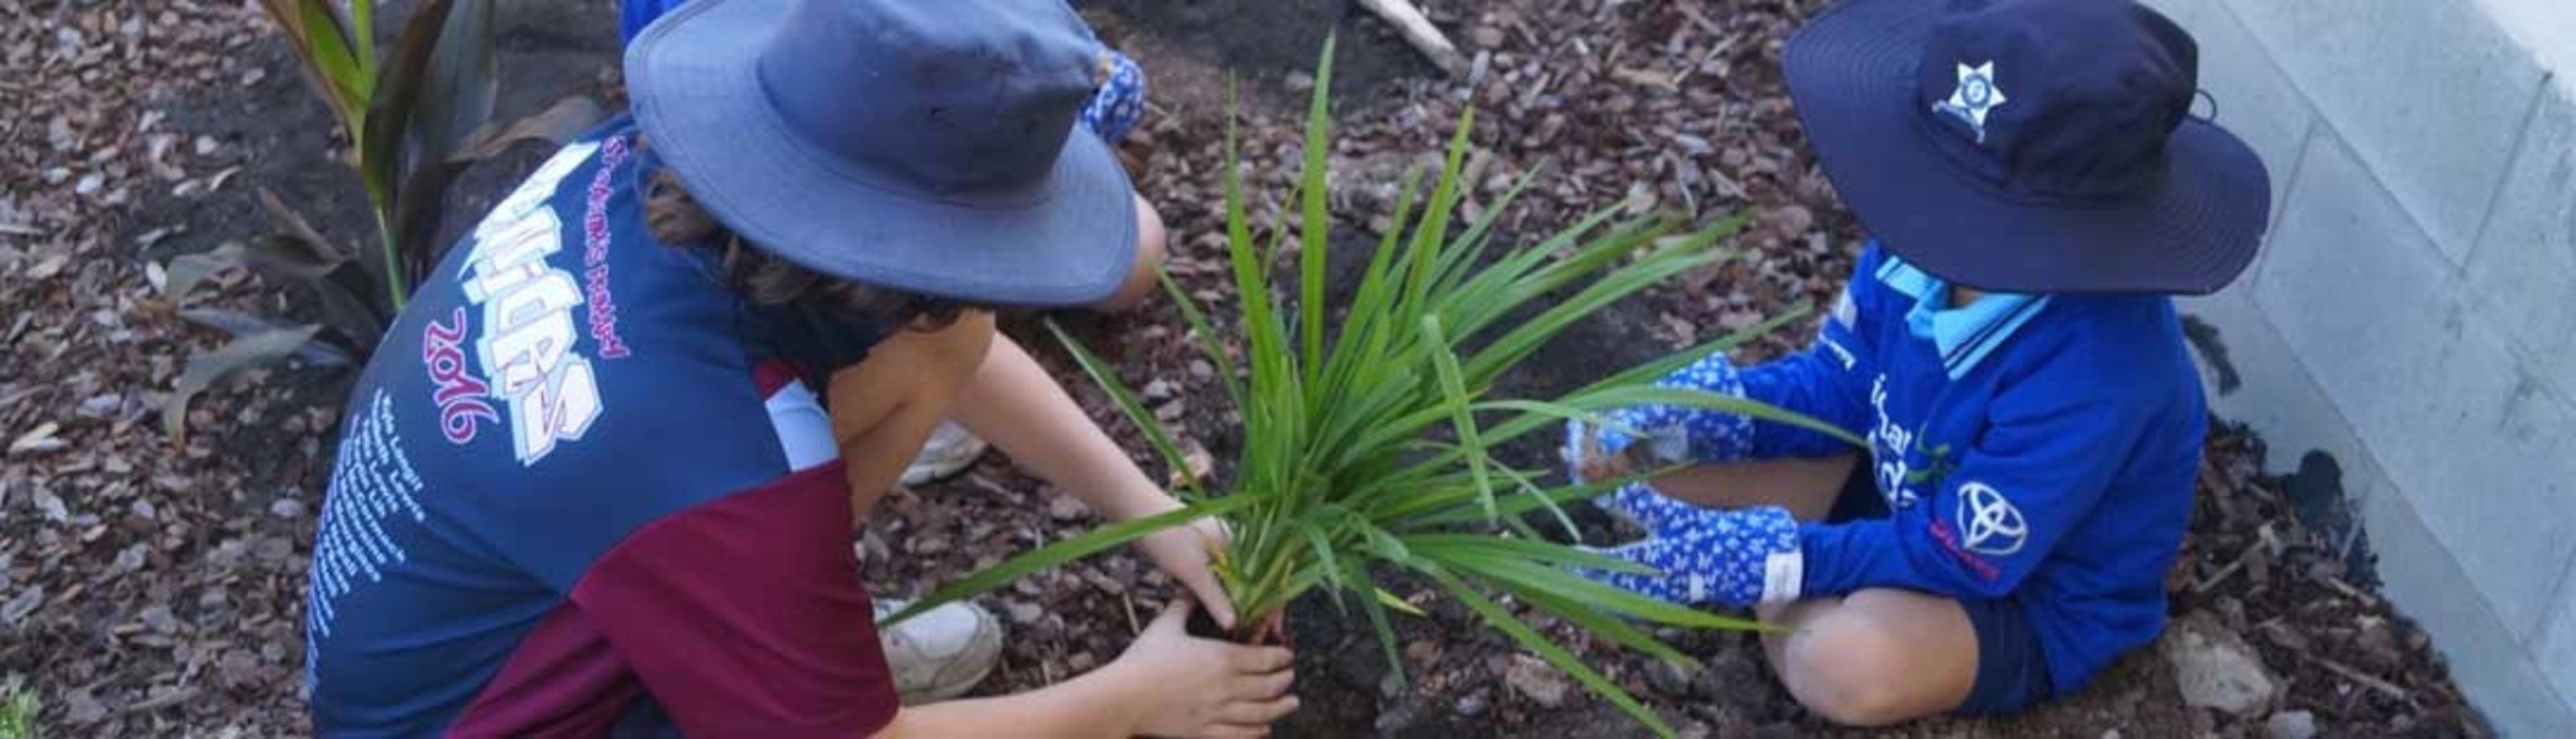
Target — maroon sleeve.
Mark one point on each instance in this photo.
(746, 615)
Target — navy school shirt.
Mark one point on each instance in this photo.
(576, 484)
(2035, 448)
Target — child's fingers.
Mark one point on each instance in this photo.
(1175, 616)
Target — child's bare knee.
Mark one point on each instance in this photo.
(1151, 245)
(1850, 676)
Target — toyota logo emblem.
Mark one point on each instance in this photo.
(1992, 525)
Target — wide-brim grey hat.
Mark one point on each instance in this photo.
(924, 147)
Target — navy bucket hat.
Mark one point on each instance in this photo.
(928, 147)
(2029, 145)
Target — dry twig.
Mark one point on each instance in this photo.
(1418, 31)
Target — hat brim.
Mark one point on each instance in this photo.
(1851, 74)
(693, 79)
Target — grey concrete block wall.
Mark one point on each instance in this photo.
(2525, 258)
(2413, 315)
(2432, 93)
(2429, 384)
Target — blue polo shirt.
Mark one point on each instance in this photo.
(2039, 449)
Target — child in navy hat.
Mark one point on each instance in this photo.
(601, 479)
(1112, 112)
(2036, 187)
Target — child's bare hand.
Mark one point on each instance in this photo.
(1203, 687)
(1186, 553)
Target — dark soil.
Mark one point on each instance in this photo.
(147, 590)
(1262, 44)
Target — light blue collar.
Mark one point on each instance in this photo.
(1965, 334)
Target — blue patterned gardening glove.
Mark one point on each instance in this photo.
(1641, 505)
(1671, 434)
(1732, 559)
(1120, 101)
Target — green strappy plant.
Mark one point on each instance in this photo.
(1369, 427)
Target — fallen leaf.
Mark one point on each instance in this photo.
(207, 369)
(49, 267)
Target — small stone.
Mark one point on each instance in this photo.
(1536, 680)
(1300, 82)
(1156, 390)
(1670, 679)
(1025, 613)
(2291, 725)
(1065, 508)
(89, 184)
(1471, 706)
(1200, 368)
(287, 508)
(101, 405)
(159, 619)
(1081, 661)
(1486, 36)
(2216, 669)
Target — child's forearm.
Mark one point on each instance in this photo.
(1013, 403)
(1099, 704)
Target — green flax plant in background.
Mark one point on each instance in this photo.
(1368, 441)
(415, 119)
(18, 714)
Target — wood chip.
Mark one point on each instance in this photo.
(39, 439)
(2358, 677)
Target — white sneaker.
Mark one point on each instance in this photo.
(950, 450)
(941, 653)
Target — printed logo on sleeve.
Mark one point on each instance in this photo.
(1993, 526)
(521, 326)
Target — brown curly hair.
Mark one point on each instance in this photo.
(766, 279)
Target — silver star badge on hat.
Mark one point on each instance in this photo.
(1976, 96)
